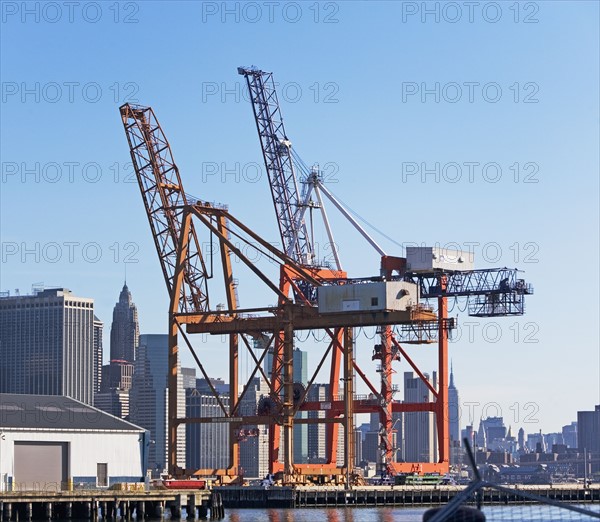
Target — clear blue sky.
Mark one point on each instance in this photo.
(518, 90)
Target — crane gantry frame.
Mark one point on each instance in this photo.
(173, 215)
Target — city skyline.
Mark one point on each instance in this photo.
(429, 138)
(470, 411)
(415, 438)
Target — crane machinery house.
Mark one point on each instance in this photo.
(373, 296)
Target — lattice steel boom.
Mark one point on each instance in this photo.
(279, 163)
(491, 292)
(164, 200)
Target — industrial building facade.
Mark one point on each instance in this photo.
(47, 344)
(50, 443)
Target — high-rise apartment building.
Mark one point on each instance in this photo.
(124, 331)
(149, 396)
(47, 344)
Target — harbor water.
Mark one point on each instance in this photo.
(525, 513)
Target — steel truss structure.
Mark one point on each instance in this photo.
(174, 219)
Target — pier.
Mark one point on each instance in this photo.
(211, 504)
(320, 496)
(109, 504)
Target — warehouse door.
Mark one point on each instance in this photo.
(41, 466)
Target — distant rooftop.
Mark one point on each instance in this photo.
(56, 412)
(39, 292)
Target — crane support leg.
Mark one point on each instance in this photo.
(348, 402)
(288, 402)
(442, 416)
(173, 360)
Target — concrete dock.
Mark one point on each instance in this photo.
(203, 504)
(107, 504)
(322, 496)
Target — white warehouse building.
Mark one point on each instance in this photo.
(52, 442)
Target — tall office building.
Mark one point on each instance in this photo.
(254, 451)
(207, 444)
(98, 353)
(316, 434)
(358, 447)
(301, 453)
(124, 332)
(371, 452)
(494, 430)
(113, 397)
(316, 438)
(454, 421)
(453, 410)
(149, 396)
(588, 430)
(420, 442)
(569, 433)
(117, 374)
(114, 401)
(398, 436)
(188, 376)
(521, 440)
(47, 344)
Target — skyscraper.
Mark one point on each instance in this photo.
(254, 451)
(301, 453)
(588, 430)
(113, 397)
(47, 344)
(420, 442)
(569, 433)
(98, 353)
(149, 396)
(207, 444)
(124, 332)
(521, 440)
(317, 450)
(453, 409)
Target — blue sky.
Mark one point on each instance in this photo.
(517, 88)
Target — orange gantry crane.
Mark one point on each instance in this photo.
(310, 296)
(287, 173)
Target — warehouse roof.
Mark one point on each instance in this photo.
(56, 412)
